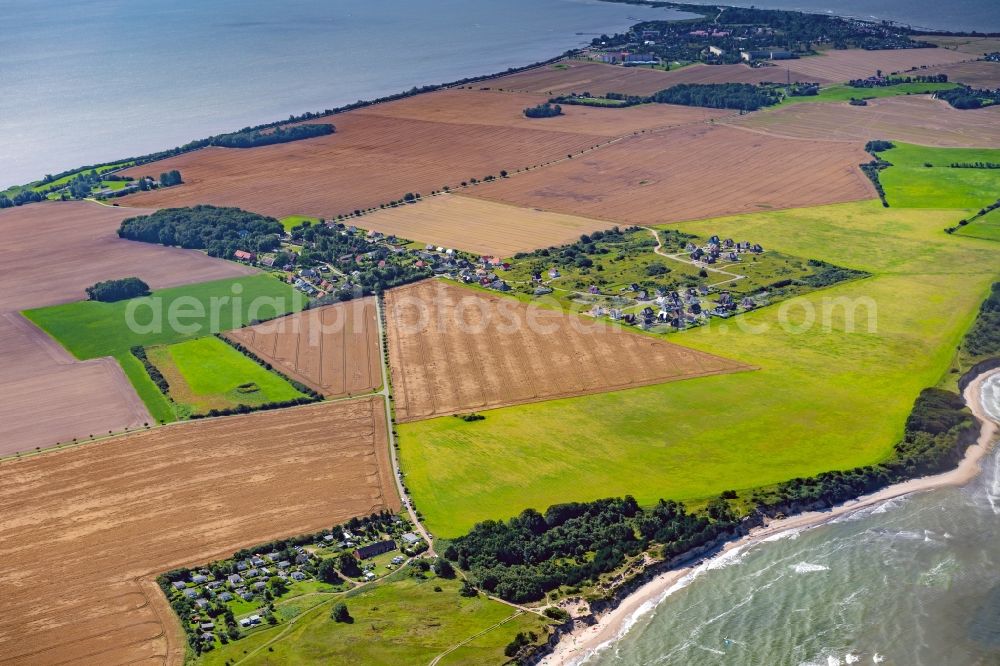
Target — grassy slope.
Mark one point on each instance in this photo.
(820, 401)
(910, 184)
(89, 329)
(403, 621)
(213, 370)
(986, 227)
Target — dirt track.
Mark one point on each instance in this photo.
(83, 531)
(691, 173)
(333, 349)
(913, 119)
(453, 350)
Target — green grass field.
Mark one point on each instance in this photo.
(823, 398)
(89, 329)
(295, 220)
(986, 227)
(206, 373)
(400, 621)
(909, 183)
(843, 93)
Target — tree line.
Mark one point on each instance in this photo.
(522, 559)
(965, 98)
(741, 96)
(218, 231)
(254, 138)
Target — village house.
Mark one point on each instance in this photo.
(242, 255)
(373, 549)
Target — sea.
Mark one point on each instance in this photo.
(914, 581)
(86, 81)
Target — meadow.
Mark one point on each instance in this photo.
(843, 93)
(90, 329)
(826, 396)
(206, 373)
(921, 177)
(404, 620)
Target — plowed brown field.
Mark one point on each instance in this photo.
(370, 160)
(462, 106)
(50, 253)
(47, 396)
(453, 349)
(691, 173)
(978, 73)
(974, 46)
(477, 225)
(912, 118)
(84, 531)
(333, 349)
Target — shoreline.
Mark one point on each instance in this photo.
(584, 641)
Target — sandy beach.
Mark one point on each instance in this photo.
(583, 641)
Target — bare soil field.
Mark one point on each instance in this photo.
(913, 119)
(476, 225)
(839, 66)
(691, 173)
(974, 46)
(52, 251)
(47, 396)
(83, 532)
(491, 107)
(369, 161)
(453, 350)
(333, 349)
(976, 73)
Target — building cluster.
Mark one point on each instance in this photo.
(247, 580)
(687, 307)
(715, 250)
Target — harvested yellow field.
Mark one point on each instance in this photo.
(477, 225)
